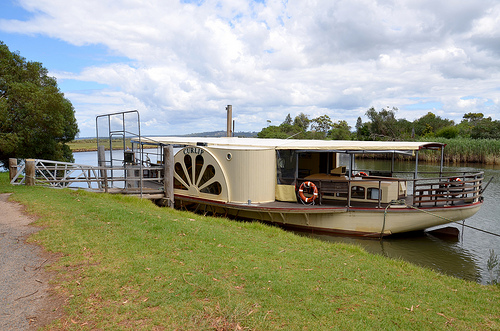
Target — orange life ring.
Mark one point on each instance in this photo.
(453, 182)
(361, 174)
(308, 185)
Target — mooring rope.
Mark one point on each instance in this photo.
(403, 202)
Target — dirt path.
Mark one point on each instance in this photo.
(25, 299)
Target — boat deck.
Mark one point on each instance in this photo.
(328, 205)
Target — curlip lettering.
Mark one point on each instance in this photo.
(193, 150)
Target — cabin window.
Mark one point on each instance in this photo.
(286, 163)
(358, 192)
(373, 193)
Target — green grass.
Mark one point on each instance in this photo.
(127, 264)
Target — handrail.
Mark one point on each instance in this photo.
(63, 174)
(451, 189)
(426, 191)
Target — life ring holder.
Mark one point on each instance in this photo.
(453, 187)
(455, 181)
(308, 186)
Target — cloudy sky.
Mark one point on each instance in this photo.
(180, 62)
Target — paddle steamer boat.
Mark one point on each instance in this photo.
(303, 184)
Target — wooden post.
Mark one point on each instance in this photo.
(12, 168)
(168, 177)
(30, 172)
(101, 163)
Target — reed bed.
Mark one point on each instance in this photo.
(458, 150)
(465, 150)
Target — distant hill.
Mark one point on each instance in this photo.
(222, 134)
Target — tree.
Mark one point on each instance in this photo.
(288, 120)
(340, 131)
(470, 120)
(362, 130)
(429, 124)
(383, 124)
(449, 132)
(272, 131)
(486, 128)
(36, 120)
(473, 118)
(302, 121)
(322, 124)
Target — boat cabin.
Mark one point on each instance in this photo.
(255, 171)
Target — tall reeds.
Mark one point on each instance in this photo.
(457, 150)
(465, 150)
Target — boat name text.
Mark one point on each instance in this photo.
(193, 150)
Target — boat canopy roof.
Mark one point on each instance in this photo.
(348, 146)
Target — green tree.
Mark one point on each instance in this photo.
(272, 131)
(449, 132)
(362, 130)
(469, 121)
(340, 131)
(486, 128)
(36, 121)
(322, 124)
(429, 124)
(473, 118)
(302, 122)
(288, 120)
(384, 124)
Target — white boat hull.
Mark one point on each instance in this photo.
(371, 222)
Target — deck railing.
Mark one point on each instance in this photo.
(450, 190)
(456, 188)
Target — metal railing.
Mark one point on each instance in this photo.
(455, 188)
(70, 175)
(450, 190)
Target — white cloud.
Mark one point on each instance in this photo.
(188, 61)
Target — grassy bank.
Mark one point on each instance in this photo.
(127, 264)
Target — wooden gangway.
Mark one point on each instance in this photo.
(126, 179)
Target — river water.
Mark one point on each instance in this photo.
(464, 257)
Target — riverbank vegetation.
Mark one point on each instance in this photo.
(475, 139)
(90, 144)
(36, 120)
(128, 264)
